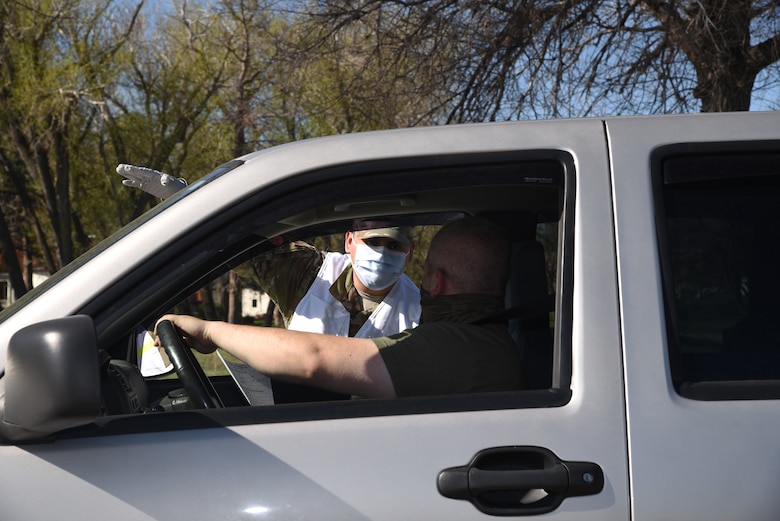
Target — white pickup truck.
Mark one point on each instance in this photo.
(653, 377)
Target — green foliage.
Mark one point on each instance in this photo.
(48, 114)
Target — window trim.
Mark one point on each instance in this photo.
(113, 317)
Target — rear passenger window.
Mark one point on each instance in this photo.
(719, 231)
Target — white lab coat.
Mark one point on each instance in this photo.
(319, 312)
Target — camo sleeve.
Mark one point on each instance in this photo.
(286, 273)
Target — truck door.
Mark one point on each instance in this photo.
(557, 449)
(697, 230)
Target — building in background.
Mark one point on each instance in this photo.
(33, 277)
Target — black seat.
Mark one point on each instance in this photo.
(528, 284)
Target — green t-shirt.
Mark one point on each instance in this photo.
(448, 357)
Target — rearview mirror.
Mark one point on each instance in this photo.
(52, 379)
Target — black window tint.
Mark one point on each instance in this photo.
(720, 242)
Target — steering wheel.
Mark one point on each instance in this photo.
(199, 388)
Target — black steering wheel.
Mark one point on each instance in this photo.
(199, 388)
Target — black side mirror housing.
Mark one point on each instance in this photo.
(52, 379)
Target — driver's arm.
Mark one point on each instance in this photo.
(339, 364)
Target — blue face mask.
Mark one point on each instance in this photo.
(377, 267)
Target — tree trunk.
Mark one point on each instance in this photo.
(17, 178)
(719, 48)
(234, 299)
(725, 93)
(62, 187)
(11, 260)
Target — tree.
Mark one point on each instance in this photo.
(87, 85)
(43, 116)
(9, 253)
(324, 81)
(159, 107)
(549, 58)
(726, 42)
(245, 36)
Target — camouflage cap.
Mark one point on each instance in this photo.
(364, 229)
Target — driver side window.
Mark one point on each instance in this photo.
(265, 268)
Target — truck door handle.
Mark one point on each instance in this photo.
(519, 480)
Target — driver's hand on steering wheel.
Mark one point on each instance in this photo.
(193, 331)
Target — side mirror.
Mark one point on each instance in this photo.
(52, 379)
